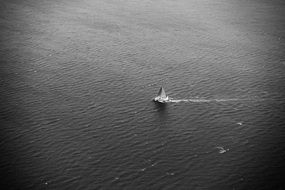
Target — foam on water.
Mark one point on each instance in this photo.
(202, 100)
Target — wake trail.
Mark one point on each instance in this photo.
(201, 100)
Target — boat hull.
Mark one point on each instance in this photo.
(160, 100)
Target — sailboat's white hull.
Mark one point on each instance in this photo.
(160, 99)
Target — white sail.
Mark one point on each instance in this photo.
(161, 93)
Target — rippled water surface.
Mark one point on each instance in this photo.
(77, 79)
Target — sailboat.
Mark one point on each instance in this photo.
(161, 96)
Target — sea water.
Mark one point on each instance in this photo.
(77, 82)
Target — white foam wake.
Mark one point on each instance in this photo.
(202, 100)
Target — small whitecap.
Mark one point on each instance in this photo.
(222, 150)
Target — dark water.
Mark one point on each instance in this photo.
(77, 79)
